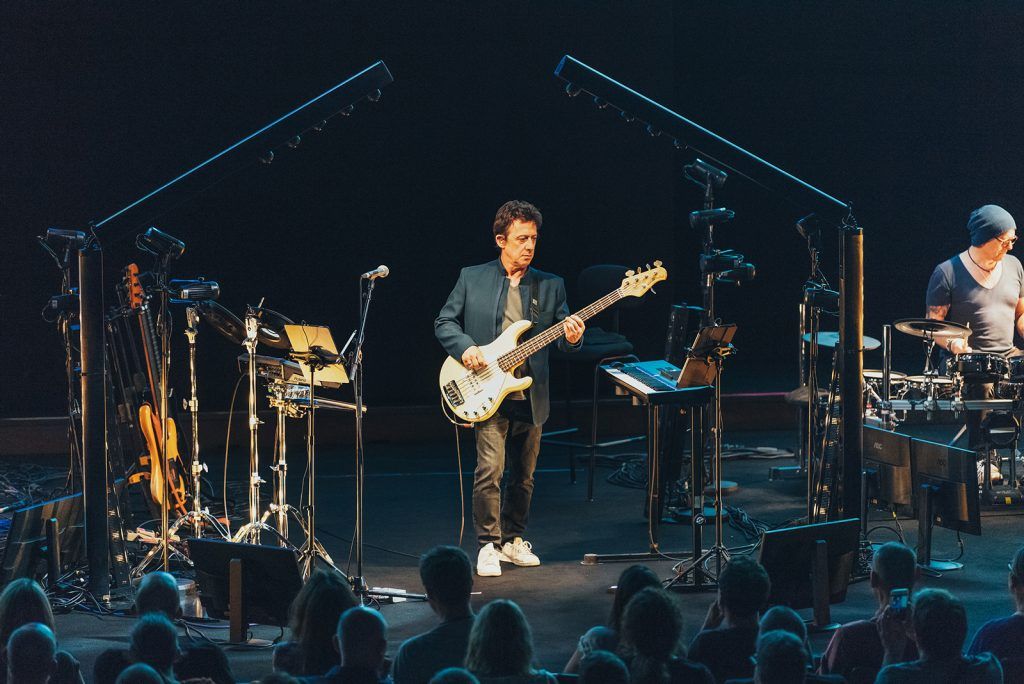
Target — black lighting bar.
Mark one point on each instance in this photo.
(285, 131)
(607, 92)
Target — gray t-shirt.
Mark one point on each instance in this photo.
(988, 312)
(513, 313)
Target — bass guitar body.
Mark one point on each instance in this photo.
(149, 423)
(474, 396)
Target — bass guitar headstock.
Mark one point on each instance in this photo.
(133, 287)
(638, 282)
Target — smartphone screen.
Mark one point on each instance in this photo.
(899, 600)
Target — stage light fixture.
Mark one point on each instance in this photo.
(600, 103)
(374, 96)
(572, 90)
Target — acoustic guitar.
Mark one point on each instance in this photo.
(474, 396)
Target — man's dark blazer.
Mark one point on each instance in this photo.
(474, 311)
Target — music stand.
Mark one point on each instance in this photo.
(700, 368)
(314, 350)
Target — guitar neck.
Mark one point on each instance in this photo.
(533, 345)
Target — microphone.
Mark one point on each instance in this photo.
(56, 237)
(160, 243)
(706, 217)
(810, 230)
(195, 290)
(702, 173)
(743, 273)
(381, 271)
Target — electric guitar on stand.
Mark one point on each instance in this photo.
(474, 396)
(149, 414)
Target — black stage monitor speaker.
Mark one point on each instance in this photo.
(28, 549)
(948, 477)
(888, 481)
(270, 579)
(803, 560)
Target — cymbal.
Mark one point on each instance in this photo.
(223, 321)
(271, 328)
(270, 331)
(929, 328)
(800, 394)
(830, 339)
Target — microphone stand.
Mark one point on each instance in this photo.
(358, 581)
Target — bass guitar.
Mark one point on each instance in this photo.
(474, 396)
(149, 417)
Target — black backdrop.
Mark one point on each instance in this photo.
(912, 113)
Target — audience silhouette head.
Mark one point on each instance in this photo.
(447, 576)
(362, 638)
(781, 658)
(31, 654)
(154, 641)
(158, 593)
(500, 643)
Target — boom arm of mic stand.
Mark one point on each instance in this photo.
(686, 133)
(277, 134)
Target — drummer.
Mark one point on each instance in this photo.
(982, 287)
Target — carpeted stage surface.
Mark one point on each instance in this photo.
(412, 501)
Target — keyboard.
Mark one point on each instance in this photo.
(650, 381)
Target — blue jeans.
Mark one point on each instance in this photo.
(500, 516)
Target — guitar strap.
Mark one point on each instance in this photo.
(534, 301)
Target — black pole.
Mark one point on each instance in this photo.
(851, 335)
(94, 455)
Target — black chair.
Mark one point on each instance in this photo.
(599, 346)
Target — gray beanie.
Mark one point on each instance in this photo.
(989, 222)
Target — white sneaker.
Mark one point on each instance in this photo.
(488, 562)
(520, 553)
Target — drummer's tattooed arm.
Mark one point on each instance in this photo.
(955, 346)
(1018, 317)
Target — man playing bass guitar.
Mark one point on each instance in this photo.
(486, 300)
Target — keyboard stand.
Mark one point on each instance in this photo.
(694, 399)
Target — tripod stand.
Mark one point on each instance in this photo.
(718, 551)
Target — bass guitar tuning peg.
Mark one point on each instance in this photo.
(657, 264)
(630, 272)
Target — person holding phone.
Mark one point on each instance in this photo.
(858, 645)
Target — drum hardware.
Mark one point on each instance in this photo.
(251, 531)
(282, 397)
(268, 332)
(198, 517)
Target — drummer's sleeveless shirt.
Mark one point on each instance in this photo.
(989, 312)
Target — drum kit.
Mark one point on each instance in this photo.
(946, 381)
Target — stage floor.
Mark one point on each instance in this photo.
(412, 501)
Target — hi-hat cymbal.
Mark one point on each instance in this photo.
(830, 340)
(931, 329)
